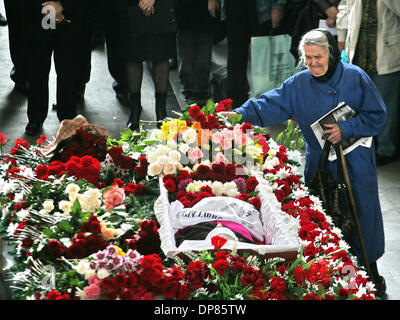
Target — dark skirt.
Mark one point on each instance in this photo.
(149, 48)
(151, 38)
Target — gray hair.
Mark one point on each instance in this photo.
(313, 37)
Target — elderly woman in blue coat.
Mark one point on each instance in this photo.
(310, 94)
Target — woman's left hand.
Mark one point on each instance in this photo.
(334, 132)
(147, 6)
(57, 7)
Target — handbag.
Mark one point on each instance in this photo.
(271, 62)
(333, 194)
(162, 21)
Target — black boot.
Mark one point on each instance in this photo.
(136, 109)
(161, 107)
(378, 280)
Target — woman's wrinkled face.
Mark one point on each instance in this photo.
(317, 60)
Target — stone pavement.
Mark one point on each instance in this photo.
(100, 107)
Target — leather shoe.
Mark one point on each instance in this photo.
(383, 160)
(33, 128)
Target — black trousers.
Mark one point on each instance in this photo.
(63, 44)
(241, 24)
(100, 14)
(17, 35)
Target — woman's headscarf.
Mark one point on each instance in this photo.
(334, 56)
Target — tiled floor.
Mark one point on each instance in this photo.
(101, 107)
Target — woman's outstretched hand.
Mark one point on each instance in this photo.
(227, 114)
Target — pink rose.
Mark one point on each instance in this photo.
(195, 154)
(216, 137)
(240, 137)
(226, 144)
(94, 280)
(113, 197)
(220, 158)
(92, 292)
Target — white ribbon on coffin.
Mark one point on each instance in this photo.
(279, 230)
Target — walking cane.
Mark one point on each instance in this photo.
(354, 209)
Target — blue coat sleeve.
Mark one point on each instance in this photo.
(270, 108)
(371, 111)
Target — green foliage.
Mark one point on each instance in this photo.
(292, 137)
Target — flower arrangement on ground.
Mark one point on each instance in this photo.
(84, 228)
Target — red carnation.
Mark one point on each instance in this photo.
(195, 112)
(246, 127)
(218, 242)
(212, 121)
(170, 287)
(221, 266)
(256, 202)
(56, 248)
(94, 227)
(251, 183)
(225, 104)
(251, 277)
(42, 140)
(118, 182)
(195, 274)
(170, 185)
(42, 172)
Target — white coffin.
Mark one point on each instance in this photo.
(280, 229)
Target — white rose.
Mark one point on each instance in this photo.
(163, 159)
(91, 205)
(93, 193)
(154, 169)
(184, 148)
(152, 157)
(48, 206)
(189, 135)
(175, 155)
(169, 168)
(65, 206)
(72, 188)
(162, 150)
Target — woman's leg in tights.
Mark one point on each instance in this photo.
(134, 76)
(134, 73)
(160, 75)
(160, 78)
